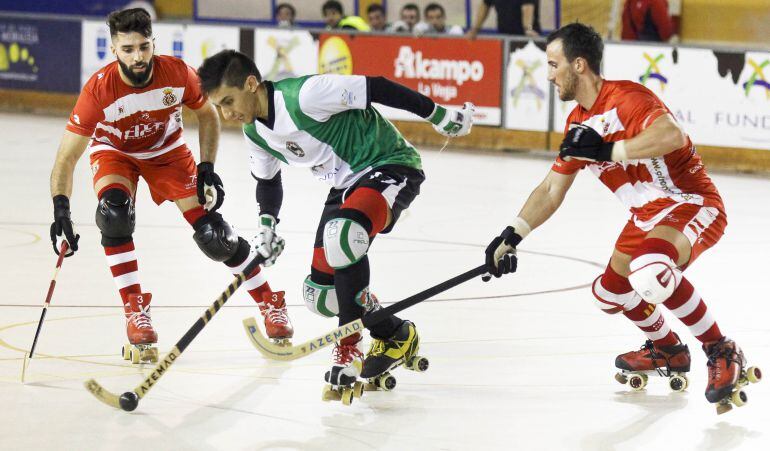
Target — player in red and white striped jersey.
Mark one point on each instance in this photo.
(629, 139)
(129, 117)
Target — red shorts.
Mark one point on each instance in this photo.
(703, 225)
(170, 176)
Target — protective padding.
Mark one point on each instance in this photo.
(216, 238)
(115, 214)
(320, 299)
(345, 242)
(654, 277)
(602, 301)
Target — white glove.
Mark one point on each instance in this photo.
(453, 123)
(267, 242)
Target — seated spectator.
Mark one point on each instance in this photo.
(410, 17)
(647, 20)
(515, 17)
(377, 18)
(334, 17)
(285, 14)
(435, 22)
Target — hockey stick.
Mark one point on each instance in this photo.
(64, 248)
(277, 352)
(129, 400)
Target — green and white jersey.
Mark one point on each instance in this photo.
(325, 123)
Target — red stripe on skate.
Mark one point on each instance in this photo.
(124, 268)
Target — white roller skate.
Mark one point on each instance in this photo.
(343, 384)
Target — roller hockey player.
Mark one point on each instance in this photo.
(129, 116)
(629, 139)
(326, 123)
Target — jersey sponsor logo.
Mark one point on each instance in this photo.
(120, 110)
(140, 131)
(294, 148)
(168, 97)
(76, 118)
(348, 98)
(411, 64)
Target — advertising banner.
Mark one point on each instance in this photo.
(95, 46)
(283, 54)
(450, 71)
(202, 41)
(526, 99)
(40, 55)
(721, 98)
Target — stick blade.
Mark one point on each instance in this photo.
(102, 394)
(266, 347)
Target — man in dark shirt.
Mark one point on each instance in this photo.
(516, 17)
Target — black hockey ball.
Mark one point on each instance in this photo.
(129, 401)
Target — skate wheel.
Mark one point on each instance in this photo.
(754, 374)
(330, 394)
(358, 389)
(126, 351)
(386, 382)
(620, 377)
(677, 383)
(637, 381)
(739, 398)
(418, 364)
(135, 356)
(347, 396)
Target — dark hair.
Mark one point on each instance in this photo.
(228, 67)
(128, 20)
(333, 5)
(411, 6)
(375, 7)
(434, 6)
(287, 6)
(579, 40)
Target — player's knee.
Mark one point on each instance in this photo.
(605, 300)
(216, 238)
(654, 277)
(346, 242)
(320, 299)
(115, 217)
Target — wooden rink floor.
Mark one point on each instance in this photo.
(524, 362)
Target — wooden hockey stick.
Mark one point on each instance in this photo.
(62, 251)
(278, 352)
(129, 400)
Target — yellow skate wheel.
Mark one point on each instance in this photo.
(637, 381)
(620, 377)
(739, 398)
(330, 393)
(126, 351)
(135, 355)
(418, 364)
(386, 382)
(677, 382)
(753, 374)
(358, 389)
(347, 396)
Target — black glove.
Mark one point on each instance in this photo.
(501, 254)
(62, 228)
(211, 194)
(584, 143)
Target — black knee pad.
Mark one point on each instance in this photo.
(115, 217)
(215, 237)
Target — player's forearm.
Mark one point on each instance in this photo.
(662, 137)
(270, 195)
(208, 133)
(61, 177)
(392, 94)
(528, 17)
(481, 16)
(545, 200)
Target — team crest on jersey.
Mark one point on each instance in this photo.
(120, 110)
(168, 97)
(294, 148)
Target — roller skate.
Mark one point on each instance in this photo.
(277, 324)
(141, 335)
(728, 375)
(387, 354)
(672, 362)
(343, 384)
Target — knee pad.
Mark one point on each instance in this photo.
(612, 303)
(654, 277)
(320, 299)
(215, 237)
(115, 217)
(345, 242)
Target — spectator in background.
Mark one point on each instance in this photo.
(285, 14)
(410, 17)
(334, 17)
(435, 22)
(647, 20)
(377, 18)
(516, 17)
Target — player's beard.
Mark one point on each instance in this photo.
(138, 79)
(568, 89)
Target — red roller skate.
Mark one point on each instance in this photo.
(672, 362)
(277, 323)
(141, 335)
(728, 375)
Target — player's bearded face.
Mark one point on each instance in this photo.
(568, 85)
(134, 53)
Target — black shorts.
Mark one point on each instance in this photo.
(399, 184)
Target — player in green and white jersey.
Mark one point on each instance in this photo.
(327, 124)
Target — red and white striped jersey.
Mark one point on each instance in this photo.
(141, 122)
(648, 187)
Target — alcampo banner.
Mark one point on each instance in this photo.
(450, 71)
